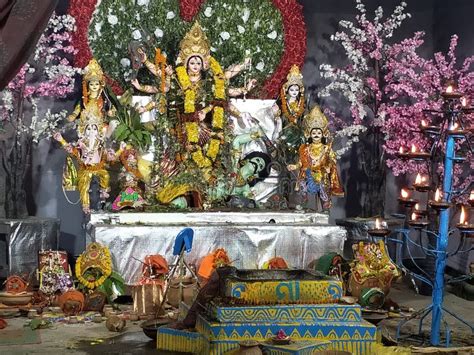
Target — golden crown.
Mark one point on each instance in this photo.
(94, 71)
(294, 77)
(194, 43)
(315, 119)
(88, 118)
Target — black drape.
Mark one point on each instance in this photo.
(21, 24)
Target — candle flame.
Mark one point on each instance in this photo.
(424, 123)
(471, 195)
(404, 193)
(462, 217)
(413, 216)
(413, 148)
(418, 179)
(377, 223)
(417, 207)
(401, 151)
(438, 195)
(424, 179)
(449, 89)
(464, 102)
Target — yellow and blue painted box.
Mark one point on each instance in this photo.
(181, 341)
(254, 292)
(284, 313)
(305, 347)
(356, 337)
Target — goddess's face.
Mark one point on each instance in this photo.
(316, 134)
(194, 65)
(94, 85)
(293, 91)
(258, 163)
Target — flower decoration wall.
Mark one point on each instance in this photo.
(272, 32)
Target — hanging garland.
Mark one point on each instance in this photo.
(293, 36)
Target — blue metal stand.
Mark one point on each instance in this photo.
(438, 251)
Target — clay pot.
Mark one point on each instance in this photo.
(249, 347)
(15, 299)
(115, 324)
(71, 302)
(189, 291)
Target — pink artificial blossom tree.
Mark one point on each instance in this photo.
(413, 85)
(48, 75)
(362, 84)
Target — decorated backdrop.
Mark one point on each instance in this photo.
(271, 32)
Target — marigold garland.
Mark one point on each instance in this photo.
(105, 269)
(213, 148)
(200, 159)
(192, 132)
(292, 117)
(218, 118)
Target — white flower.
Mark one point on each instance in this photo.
(256, 24)
(136, 34)
(125, 62)
(158, 33)
(260, 66)
(213, 49)
(98, 27)
(143, 2)
(272, 35)
(170, 15)
(225, 35)
(240, 29)
(246, 15)
(112, 19)
(208, 11)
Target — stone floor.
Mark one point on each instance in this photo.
(93, 338)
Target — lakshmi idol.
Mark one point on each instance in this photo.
(291, 107)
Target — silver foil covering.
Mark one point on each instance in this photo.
(24, 238)
(250, 239)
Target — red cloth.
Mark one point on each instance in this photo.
(21, 25)
(210, 262)
(154, 265)
(3, 323)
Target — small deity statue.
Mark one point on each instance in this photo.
(92, 157)
(201, 97)
(291, 106)
(317, 161)
(94, 101)
(130, 177)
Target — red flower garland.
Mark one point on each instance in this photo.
(82, 11)
(295, 44)
(293, 26)
(189, 8)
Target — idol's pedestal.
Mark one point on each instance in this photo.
(258, 304)
(250, 238)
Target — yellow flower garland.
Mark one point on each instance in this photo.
(213, 148)
(192, 132)
(192, 129)
(106, 270)
(200, 159)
